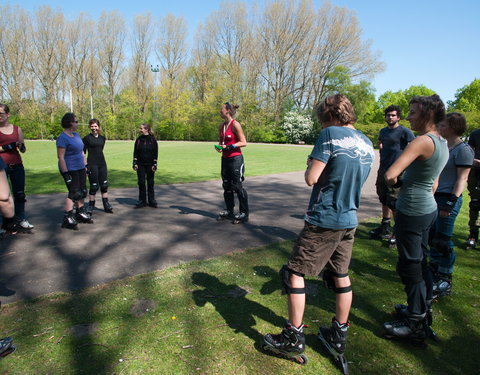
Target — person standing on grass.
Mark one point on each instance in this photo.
(416, 211)
(231, 140)
(145, 155)
(71, 163)
(448, 196)
(392, 140)
(11, 141)
(93, 145)
(473, 186)
(337, 168)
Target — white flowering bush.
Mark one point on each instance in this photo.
(296, 126)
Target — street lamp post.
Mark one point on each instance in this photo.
(155, 69)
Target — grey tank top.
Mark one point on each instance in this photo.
(416, 196)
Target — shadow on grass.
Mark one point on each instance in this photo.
(231, 303)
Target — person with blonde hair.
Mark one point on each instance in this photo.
(337, 168)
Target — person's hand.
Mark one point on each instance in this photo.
(154, 167)
(135, 165)
(447, 207)
(87, 170)
(476, 163)
(218, 148)
(21, 147)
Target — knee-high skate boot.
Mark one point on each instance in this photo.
(107, 207)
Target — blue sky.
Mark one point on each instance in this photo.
(431, 42)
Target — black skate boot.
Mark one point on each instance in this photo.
(152, 203)
(90, 207)
(401, 312)
(391, 241)
(471, 243)
(6, 347)
(290, 343)
(83, 217)
(107, 207)
(242, 217)
(334, 339)
(225, 215)
(442, 285)
(382, 232)
(141, 204)
(10, 226)
(69, 221)
(413, 328)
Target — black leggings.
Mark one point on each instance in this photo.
(233, 170)
(17, 179)
(98, 178)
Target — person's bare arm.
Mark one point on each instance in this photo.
(422, 147)
(314, 171)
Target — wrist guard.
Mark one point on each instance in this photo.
(449, 204)
(67, 177)
(230, 147)
(10, 146)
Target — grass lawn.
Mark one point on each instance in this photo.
(178, 162)
(206, 317)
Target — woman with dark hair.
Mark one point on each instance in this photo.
(11, 141)
(145, 154)
(231, 139)
(93, 145)
(448, 196)
(415, 212)
(71, 163)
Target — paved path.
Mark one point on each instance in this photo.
(134, 241)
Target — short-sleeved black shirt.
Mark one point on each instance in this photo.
(393, 143)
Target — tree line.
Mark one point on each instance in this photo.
(281, 57)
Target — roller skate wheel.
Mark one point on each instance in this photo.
(301, 359)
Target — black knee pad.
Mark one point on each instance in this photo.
(19, 196)
(441, 243)
(410, 272)
(93, 188)
(329, 282)
(104, 186)
(285, 273)
(75, 194)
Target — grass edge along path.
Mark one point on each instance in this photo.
(207, 317)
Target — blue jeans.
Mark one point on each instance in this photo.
(445, 226)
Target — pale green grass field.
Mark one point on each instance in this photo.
(178, 162)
